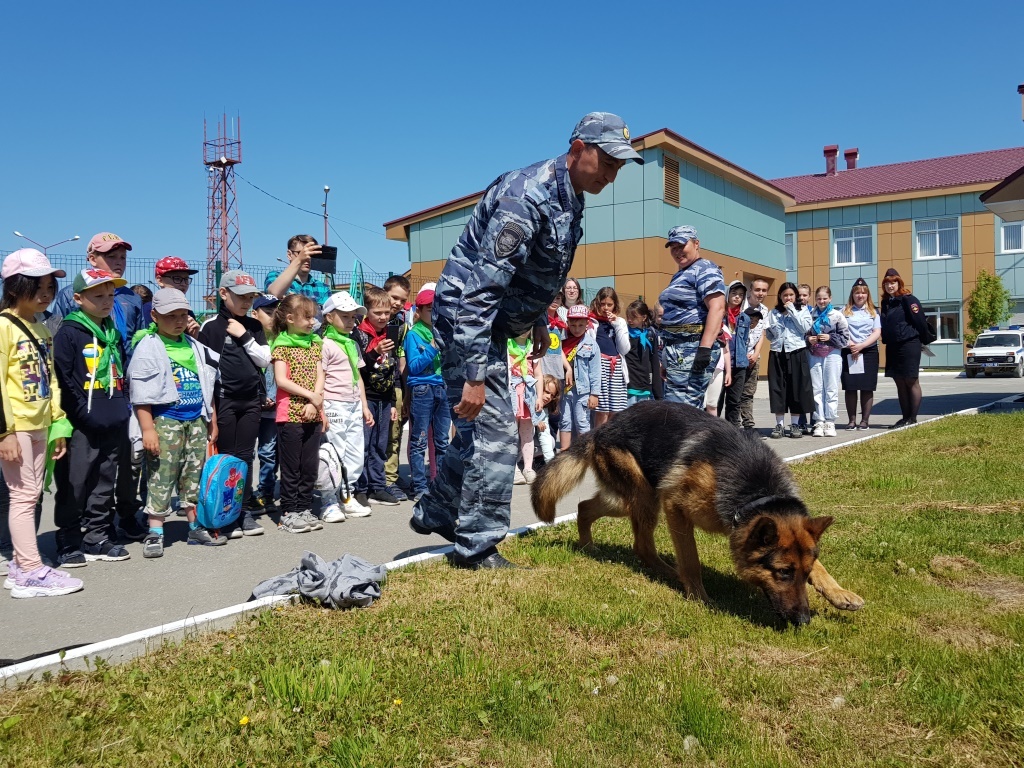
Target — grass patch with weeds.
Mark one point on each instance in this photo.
(588, 660)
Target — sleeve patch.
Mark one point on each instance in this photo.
(509, 239)
(915, 308)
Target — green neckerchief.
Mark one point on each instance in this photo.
(143, 333)
(180, 352)
(107, 333)
(349, 347)
(423, 331)
(519, 354)
(285, 339)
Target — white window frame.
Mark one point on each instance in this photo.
(934, 313)
(938, 238)
(853, 238)
(1002, 239)
(790, 251)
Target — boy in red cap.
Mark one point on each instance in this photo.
(173, 272)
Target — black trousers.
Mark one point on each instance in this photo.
(298, 452)
(734, 396)
(129, 474)
(83, 506)
(238, 426)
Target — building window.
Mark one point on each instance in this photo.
(945, 318)
(852, 245)
(1013, 237)
(938, 238)
(790, 253)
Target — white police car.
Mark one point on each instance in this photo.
(997, 350)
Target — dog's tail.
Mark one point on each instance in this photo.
(558, 477)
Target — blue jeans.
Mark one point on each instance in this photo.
(268, 458)
(429, 409)
(375, 443)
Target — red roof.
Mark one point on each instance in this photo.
(958, 170)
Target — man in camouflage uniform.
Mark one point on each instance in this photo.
(511, 259)
(694, 305)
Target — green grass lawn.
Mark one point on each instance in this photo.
(586, 661)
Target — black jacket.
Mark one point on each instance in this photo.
(109, 409)
(898, 324)
(240, 377)
(644, 365)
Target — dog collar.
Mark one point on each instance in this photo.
(751, 506)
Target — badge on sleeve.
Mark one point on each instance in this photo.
(915, 308)
(509, 239)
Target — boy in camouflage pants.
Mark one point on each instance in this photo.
(172, 378)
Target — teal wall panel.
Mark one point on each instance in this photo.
(654, 218)
(629, 220)
(629, 184)
(901, 209)
(449, 237)
(883, 211)
(654, 174)
(414, 243)
(1010, 267)
(598, 224)
(430, 244)
(935, 206)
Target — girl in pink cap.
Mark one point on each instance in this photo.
(32, 417)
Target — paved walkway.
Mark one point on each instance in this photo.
(137, 594)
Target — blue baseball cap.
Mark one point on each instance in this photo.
(607, 131)
(681, 235)
(265, 301)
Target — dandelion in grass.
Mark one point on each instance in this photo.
(398, 702)
(244, 720)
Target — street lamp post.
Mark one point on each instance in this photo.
(45, 248)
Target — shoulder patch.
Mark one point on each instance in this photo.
(915, 308)
(508, 240)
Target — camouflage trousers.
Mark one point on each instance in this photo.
(470, 498)
(682, 385)
(179, 464)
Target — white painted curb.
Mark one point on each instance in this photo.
(127, 647)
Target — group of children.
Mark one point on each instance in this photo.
(597, 364)
(236, 383)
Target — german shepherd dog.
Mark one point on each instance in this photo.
(704, 472)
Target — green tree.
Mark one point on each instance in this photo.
(989, 304)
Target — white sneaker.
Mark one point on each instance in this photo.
(520, 478)
(333, 514)
(819, 429)
(830, 429)
(354, 509)
(530, 476)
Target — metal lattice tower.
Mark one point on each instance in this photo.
(224, 239)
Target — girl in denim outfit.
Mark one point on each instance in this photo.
(582, 353)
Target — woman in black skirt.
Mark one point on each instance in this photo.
(865, 329)
(903, 324)
(789, 375)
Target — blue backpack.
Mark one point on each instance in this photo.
(221, 488)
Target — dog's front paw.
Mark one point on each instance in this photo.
(844, 599)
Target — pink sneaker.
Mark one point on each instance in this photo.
(12, 575)
(44, 582)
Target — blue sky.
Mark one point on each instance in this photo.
(400, 106)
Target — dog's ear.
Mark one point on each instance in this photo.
(817, 525)
(764, 533)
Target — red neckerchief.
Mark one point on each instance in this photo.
(569, 343)
(376, 337)
(555, 322)
(733, 313)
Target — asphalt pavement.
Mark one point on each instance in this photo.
(137, 594)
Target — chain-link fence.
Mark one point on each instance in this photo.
(143, 272)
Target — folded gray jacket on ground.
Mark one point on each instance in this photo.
(346, 582)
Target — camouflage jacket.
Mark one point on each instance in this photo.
(511, 259)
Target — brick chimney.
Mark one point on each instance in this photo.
(831, 153)
(851, 156)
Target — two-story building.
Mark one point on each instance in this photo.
(924, 218)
